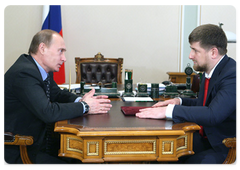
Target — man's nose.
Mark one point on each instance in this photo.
(63, 58)
(191, 55)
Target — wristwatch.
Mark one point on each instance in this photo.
(86, 106)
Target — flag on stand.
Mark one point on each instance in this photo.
(52, 20)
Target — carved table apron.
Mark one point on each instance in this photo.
(114, 137)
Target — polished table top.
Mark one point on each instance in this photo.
(115, 120)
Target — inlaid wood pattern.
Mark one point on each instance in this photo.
(74, 144)
(130, 147)
(167, 147)
(182, 142)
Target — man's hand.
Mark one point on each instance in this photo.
(158, 111)
(154, 113)
(97, 104)
(175, 101)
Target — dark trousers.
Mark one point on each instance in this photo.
(204, 153)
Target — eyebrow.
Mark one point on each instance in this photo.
(193, 48)
(63, 49)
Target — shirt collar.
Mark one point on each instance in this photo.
(211, 72)
(44, 74)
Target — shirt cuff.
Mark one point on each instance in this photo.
(180, 100)
(169, 111)
(77, 100)
(84, 109)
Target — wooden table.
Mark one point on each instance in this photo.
(114, 137)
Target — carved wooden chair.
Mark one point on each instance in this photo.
(99, 69)
(231, 144)
(22, 141)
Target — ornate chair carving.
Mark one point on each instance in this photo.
(231, 144)
(99, 69)
(22, 141)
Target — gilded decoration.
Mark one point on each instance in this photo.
(130, 147)
(74, 144)
(167, 147)
(181, 143)
(92, 148)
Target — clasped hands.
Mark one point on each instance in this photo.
(157, 111)
(97, 104)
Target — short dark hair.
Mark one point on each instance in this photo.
(209, 36)
(44, 36)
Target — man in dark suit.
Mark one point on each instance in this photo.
(31, 102)
(215, 108)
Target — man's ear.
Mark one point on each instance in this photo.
(214, 52)
(41, 48)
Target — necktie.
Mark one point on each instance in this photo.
(49, 126)
(206, 84)
(205, 90)
(47, 85)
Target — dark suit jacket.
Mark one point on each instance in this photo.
(27, 109)
(218, 117)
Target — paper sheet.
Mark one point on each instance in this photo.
(137, 99)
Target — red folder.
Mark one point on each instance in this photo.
(131, 110)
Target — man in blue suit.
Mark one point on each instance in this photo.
(215, 108)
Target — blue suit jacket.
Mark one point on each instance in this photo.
(218, 116)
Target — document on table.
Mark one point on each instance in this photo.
(137, 99)
(66, 86)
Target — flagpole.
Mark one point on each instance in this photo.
(45, 12)
(69, 80)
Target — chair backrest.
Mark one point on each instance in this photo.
(99, 69)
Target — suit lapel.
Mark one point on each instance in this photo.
(29, 57)
(214, 78)
(201, 91)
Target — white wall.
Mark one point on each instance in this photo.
(147, 37)
(225, 14)
(21, 23)
(143, 35)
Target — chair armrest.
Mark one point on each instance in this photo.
(10, 139)
(22, 141)
(231, 144)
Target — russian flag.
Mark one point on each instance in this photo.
(52, 20)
